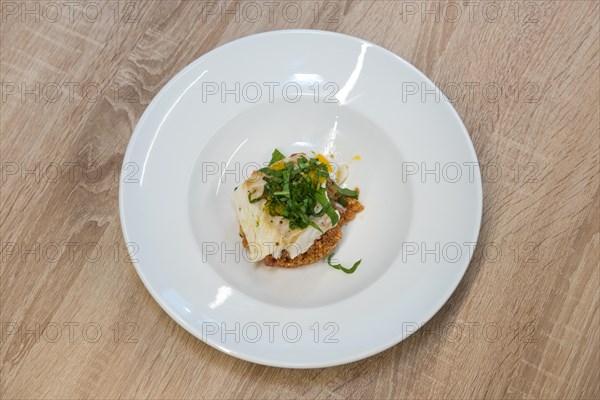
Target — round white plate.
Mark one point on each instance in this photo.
(301, 90)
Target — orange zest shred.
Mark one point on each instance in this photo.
(322, 159)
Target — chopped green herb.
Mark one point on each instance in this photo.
(293, 189)
(346, 192)
(311, 223)
(327, 207)
(340, 267)
(251, 200)
(276, 156)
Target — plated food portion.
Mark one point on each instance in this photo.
(292, 211)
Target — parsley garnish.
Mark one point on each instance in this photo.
(340, 267)
(346, 192)
(293, 189)
(276, 156)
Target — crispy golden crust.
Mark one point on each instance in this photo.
(349, 213)
(321, 247)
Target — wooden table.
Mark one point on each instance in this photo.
(77, 321)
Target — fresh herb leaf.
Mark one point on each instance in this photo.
(251, 200)
(272, 172)
(311, 223)
(327, 207)
(294, 188)
(340, 267)
(276, 156)
(346, 192)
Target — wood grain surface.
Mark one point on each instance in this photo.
(77, 321)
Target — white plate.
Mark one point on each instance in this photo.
(301, 90)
